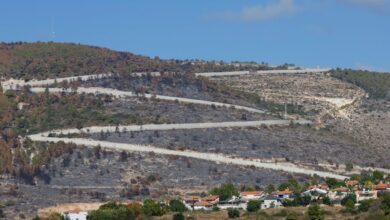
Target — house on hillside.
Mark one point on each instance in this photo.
(319, 186)
(233, 202)
(211, 199)
(255, 195)
(190, 201)
(75, 215)
(339, 193)
(352, 183)
(284, 194)
(315, 193)
(366, 194)
(271, 201)
(203, 205)
(382, 187)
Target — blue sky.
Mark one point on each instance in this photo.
(309, 33)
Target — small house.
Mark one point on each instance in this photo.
(211, 199)
(247, 196)
(76, 215)
(203, 205)
(365, 195)
(271, 201)
(284, 194)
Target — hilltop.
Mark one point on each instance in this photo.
(50, 60)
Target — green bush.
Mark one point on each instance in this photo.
(215, 208)
(349, 197)
(118, 213)
(253, 206)
(177, 206)
(385, 204)
(151, 208)
(178, 216)
(326, 200)
(315, 212)
(233, 213)
(365, 205)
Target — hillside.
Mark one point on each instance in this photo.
(133, 134)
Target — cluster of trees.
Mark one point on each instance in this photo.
(376, 84)
(225, 191)
(114, 211)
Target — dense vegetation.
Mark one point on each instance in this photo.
(376, 84)
(50, 60)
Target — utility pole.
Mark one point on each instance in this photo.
(285, 111)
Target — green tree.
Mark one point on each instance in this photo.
(315, 212)
(177, 206)
(225, 192)
(365, 205)
(178, 216)
(348, 166)
(283, 186)
(112, 211)
(151, 208)
(349, 197)
(378, 175)
(333, 183)
(253, 206)
(233, 213)
(326, 200)
(270, 188)
(385, 204)
(350, 206)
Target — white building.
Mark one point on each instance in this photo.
(247, 196)
(271, 201)
(366, 194)
(75, 215)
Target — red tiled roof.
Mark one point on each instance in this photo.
(203, 203)
(251, 193)
(341, 189)
(210, 198)
(352, 182)
(284, 192)
(381, 186)
(74, 211)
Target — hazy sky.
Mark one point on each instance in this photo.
(326, 33)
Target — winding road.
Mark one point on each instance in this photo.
(214, 157)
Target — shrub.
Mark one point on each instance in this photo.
(350, 206)
(385, 204)
(349, 197)
(315, 212)
(120, 213)
(151, 208)
(326, 200)
(178, 216)
(233, 213)
(253, 206)
(365, 205)
(177, 206)
(215, 208)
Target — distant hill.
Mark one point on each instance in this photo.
(44, 60)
